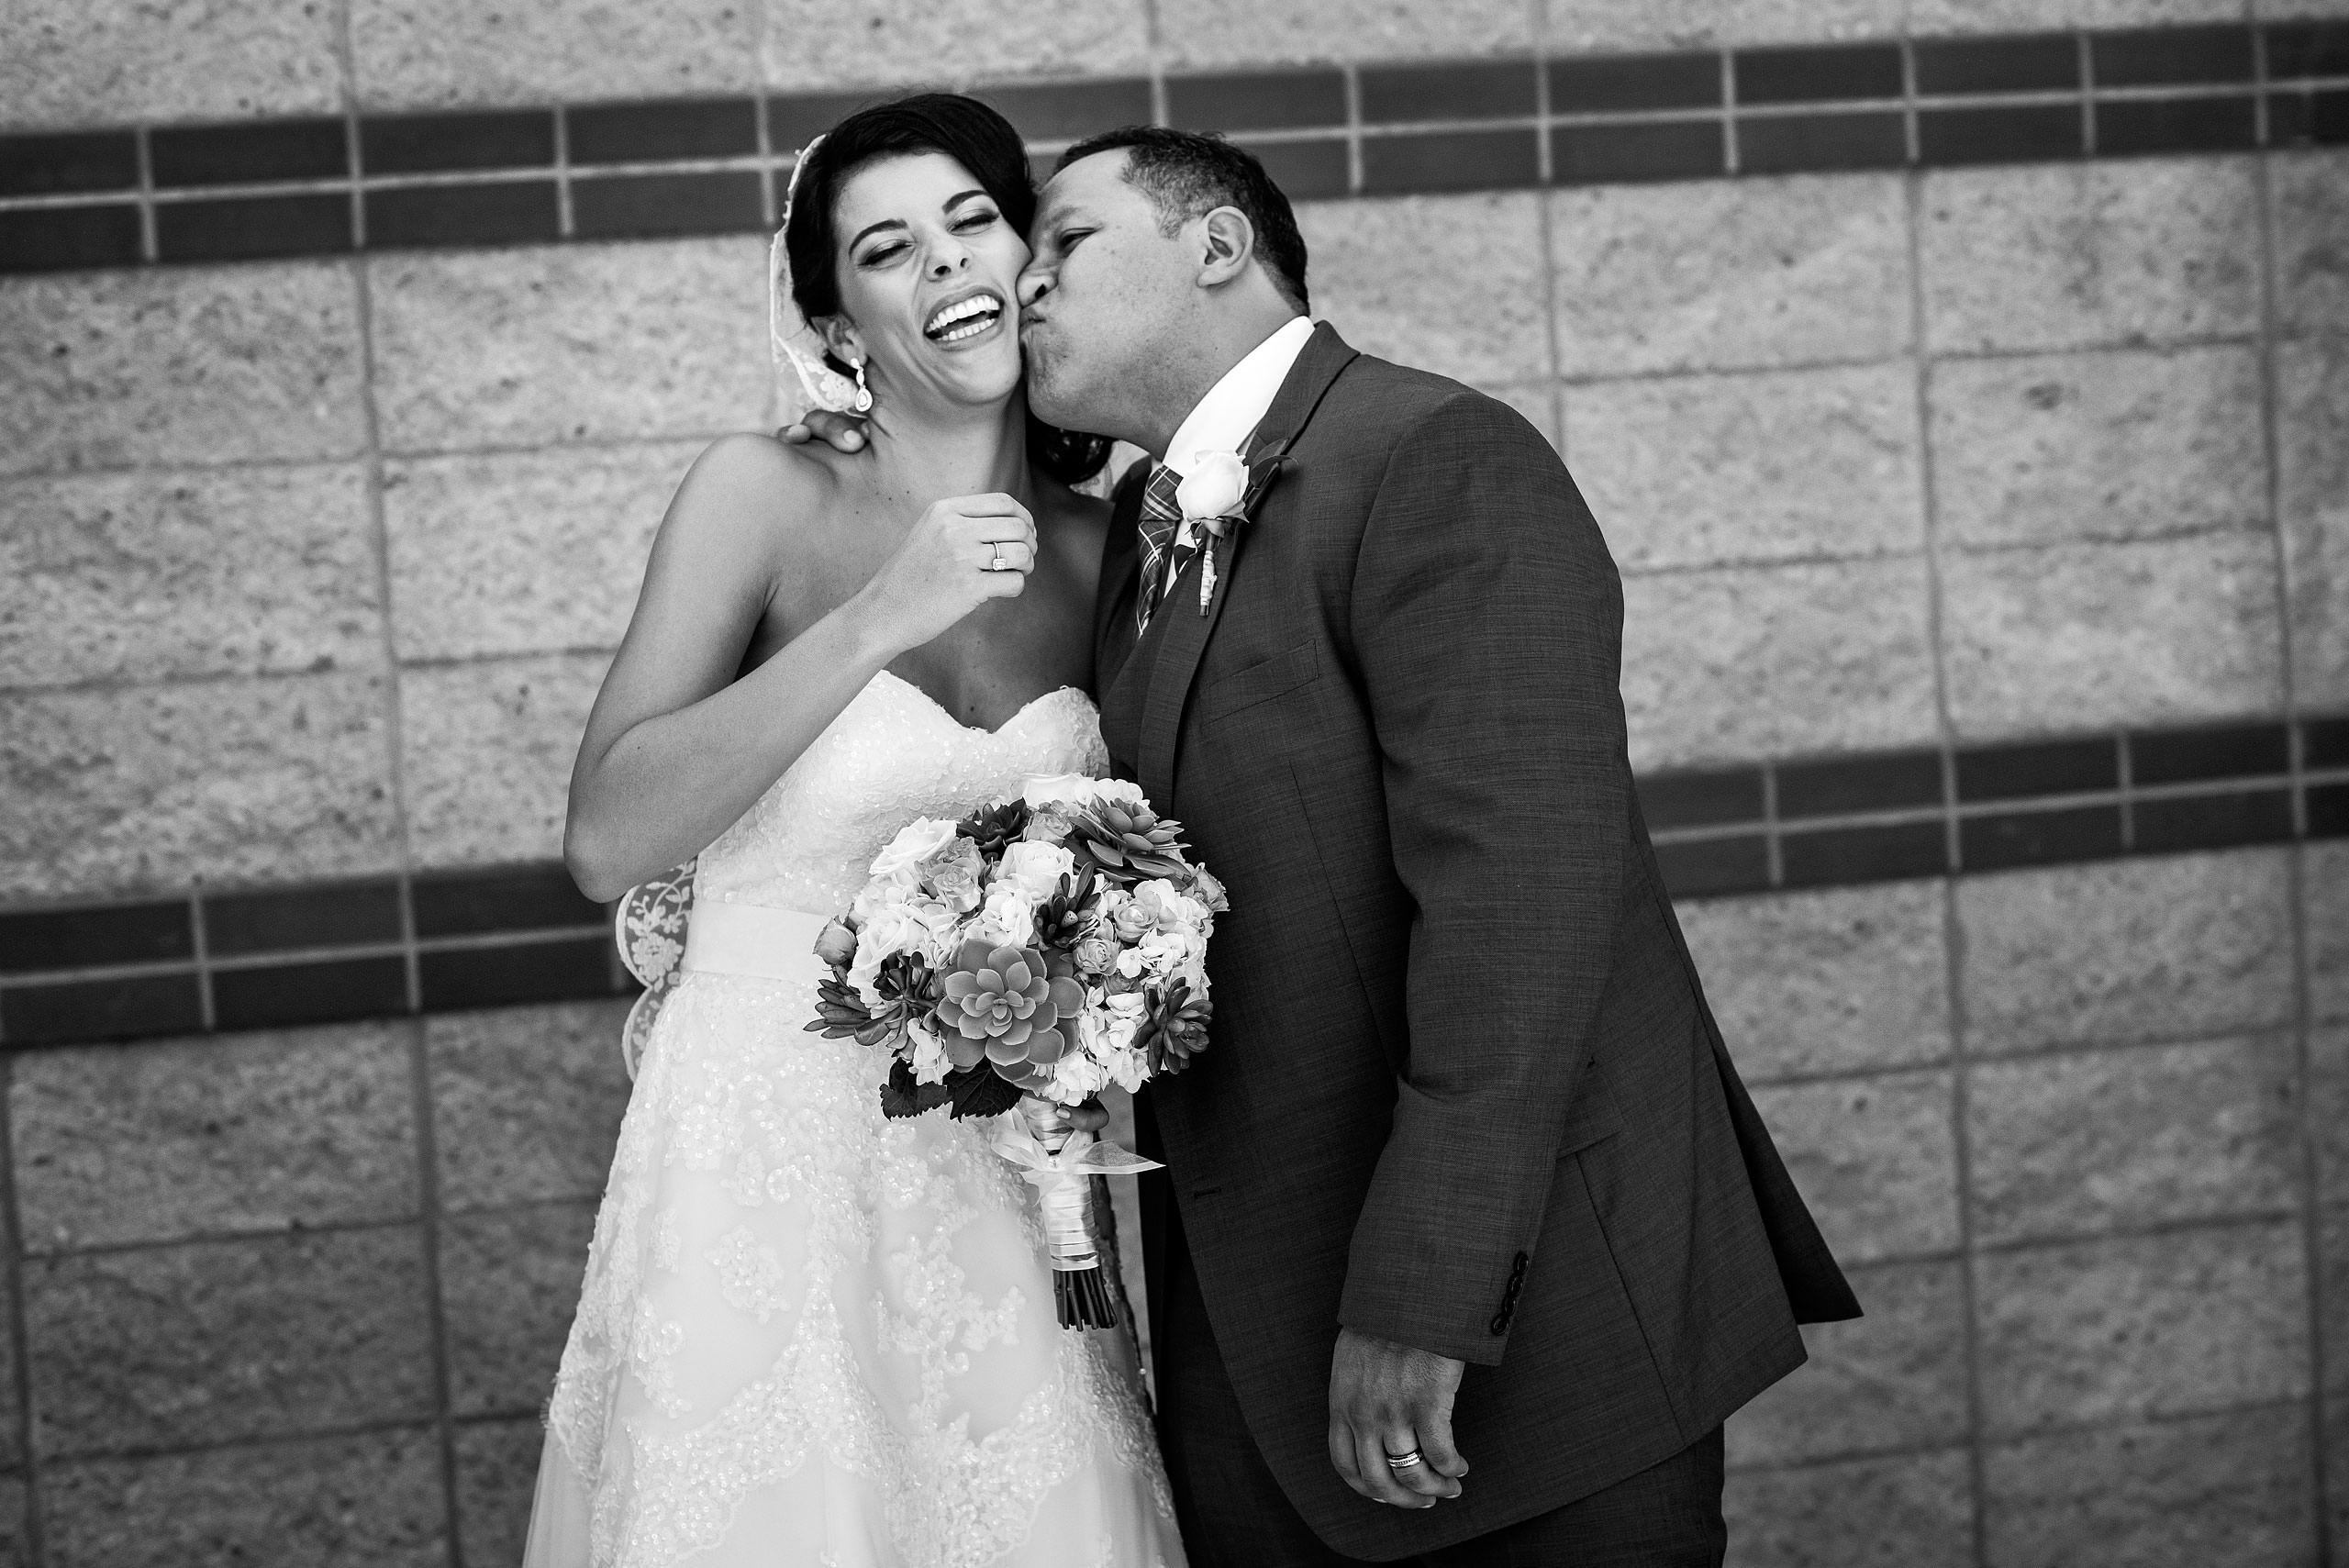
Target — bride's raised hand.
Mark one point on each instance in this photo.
(964, 551)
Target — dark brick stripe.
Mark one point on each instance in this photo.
(446, 941)
(491, 177)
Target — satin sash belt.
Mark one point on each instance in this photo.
(753, 939)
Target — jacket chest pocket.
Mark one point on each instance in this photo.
(1259, 682)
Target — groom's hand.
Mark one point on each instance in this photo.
(1386, 1398)
(843, 432)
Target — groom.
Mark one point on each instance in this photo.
(1465, 1174)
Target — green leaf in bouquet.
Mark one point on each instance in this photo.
(902, 1096)
(980, 1091)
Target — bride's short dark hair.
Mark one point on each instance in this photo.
(982, 141)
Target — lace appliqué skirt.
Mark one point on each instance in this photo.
(810, 1335)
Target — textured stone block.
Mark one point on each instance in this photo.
(1894, 1379)
(2161, 948)
(890, 42)
(194, 364)
(157, 786)
(2062, 255)
(1604, 25)
(487, 751)
(1726, 275)
(1700, 471)
(2324, 884)
(527, 1102)
(498, 1470)
(2332, 1281)
(2335, 1415)
(2312, 235)
(2165, 1325)
(2328, 1121)
(1473, 306)
(373, 1500)
(2149, 631)
(133, 576)
(73, 63)
(1242, 34)
(1876, 1158)
(1912, 1511)
(2218, 1492)
(586, 344)
(2103, 445)
(1773, 660)
(1836, 981)
(442, 52)
(2076, 1144)
(15, 1545)
(172, 1346)
(2313, 507)
(510, 1284)
(2035, 15)
(254, 1132)
(523, 553)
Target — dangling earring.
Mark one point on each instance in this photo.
(864, 393)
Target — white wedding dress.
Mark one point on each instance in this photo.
(809, 1335)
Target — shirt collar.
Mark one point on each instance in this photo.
(1234, 405)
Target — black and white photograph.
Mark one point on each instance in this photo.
(1175, 784)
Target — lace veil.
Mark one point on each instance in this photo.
(810, 383)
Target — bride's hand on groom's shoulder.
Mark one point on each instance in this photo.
(1390, 1400)
(841, 432)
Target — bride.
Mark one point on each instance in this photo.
(808, 1335)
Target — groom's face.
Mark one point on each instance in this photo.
(1103, 290)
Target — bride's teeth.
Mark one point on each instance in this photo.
(978, 304)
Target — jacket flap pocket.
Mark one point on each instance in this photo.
(1260, 682)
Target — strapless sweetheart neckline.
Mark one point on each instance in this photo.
(1031, 705)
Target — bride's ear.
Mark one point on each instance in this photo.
(1227, 244)
(841, 340)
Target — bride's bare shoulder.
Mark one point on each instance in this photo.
(753, 492)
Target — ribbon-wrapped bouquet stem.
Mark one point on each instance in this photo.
(1023, 960)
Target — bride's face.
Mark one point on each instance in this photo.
(927, 268)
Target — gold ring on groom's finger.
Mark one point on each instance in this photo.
(1402, 1461)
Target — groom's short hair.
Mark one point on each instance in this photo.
(1187, 173)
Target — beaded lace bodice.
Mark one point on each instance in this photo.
(808, 1335)
(894, 754)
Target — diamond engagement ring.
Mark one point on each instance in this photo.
(997, 566)
(1402, 1461)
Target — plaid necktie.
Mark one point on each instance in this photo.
(1157, 525)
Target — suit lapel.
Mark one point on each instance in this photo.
(1113, 639)
(1178, 631)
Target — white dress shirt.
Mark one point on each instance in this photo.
(1234, 406)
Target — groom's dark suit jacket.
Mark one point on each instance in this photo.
(1462, 1090)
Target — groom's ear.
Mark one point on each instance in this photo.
(1227, 245)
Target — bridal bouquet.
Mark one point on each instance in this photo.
(1024, 958)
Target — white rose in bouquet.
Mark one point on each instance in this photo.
(914, 842)
(1035, 869)
(1045, 791)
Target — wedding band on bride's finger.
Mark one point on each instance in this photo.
(1402, 1461)
(997, 564)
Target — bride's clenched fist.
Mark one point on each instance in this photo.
(964, 551)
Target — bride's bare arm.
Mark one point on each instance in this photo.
(676, 748)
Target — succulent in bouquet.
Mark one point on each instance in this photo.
(1024, 958)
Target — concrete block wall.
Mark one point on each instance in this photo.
(310, 567)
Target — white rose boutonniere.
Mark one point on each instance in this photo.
(1216, 484)
(1218, 495)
